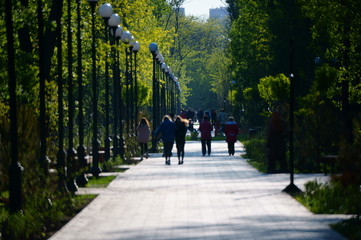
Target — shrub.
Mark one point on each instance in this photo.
(332, 198)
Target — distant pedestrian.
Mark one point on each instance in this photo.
(213, 117)
(231, 131)
(206, 129)
(167, 131)
(222, 119)
(180, 137)
(143, 130)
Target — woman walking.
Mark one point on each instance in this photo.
(206, 128)
(143, 137)
(167, 130)
(180, 137)
(231, 131)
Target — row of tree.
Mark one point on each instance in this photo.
(326, 66)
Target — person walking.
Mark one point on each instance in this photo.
(222, 119)
(143, 130)
(180, 137)
(231, 131)
(206, 129)
(167, 131)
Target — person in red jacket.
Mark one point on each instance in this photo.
(206, 129)
(231, 130)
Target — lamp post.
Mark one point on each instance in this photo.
(291, 188)
(118, 99)
(71, 151)
(125, 38)
(95, 143)
(131, 86)
(61, 155)
(136, 47)
(43, 160)
(113, 22)
(153, 47)
(15, 169)
(106, 11)
(163, 67)
(82, 179)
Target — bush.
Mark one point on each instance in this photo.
(332, 198)
(256, 152)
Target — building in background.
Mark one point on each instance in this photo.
(181, 10)
(218, 13)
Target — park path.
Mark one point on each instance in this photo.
(210, 197)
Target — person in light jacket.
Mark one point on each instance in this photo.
(206, 129)
(231, 131)
(143, 130)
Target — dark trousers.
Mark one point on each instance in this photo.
(180, 149)
(168, 146)
(206, 144)
(143, 148)
(231, 148)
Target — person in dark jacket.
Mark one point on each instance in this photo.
(180, 137)
(206, 129)
(167, 131)
(231, 130)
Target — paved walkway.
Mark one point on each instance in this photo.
(211, 197)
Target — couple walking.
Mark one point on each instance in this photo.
(230, 129)
(169, 132)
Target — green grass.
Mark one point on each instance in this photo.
(100, 182)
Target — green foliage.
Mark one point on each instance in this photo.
(256, 150)
(274, 89)
(331, 198)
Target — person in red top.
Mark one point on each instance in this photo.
(206, 128)
(231, 130)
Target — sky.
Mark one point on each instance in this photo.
(200, 8)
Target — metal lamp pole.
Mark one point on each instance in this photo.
(113, 22)
(291, 188)
(105, 11)
(43, 160)
(61, 155)
(153, 47)
(95, 142)
(118, 115)
(81, 179)
(136, 48)
(71, 151)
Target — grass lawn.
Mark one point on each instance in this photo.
(99, 182)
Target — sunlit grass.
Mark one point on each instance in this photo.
(99, 182)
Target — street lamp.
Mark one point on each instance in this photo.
(291, 188)
(118, 112)
(71, 151)
(106, 11)
(153, 48)
(136, 47)
(114, 22)
(43, 160)
(82, 179)
(61, 155)
(95, 143)
(15, 182)
(126, 38)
